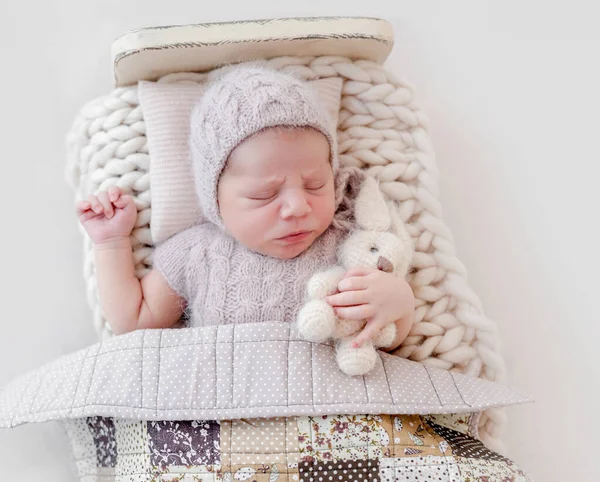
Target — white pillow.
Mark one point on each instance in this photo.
(166, 109)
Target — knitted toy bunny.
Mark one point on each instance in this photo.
(380, 241)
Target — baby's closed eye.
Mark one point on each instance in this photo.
(272, 194)
(263, 196)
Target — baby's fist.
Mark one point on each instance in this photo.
(108, 215)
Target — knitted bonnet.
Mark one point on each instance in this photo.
(237, 105)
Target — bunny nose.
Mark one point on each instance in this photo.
(385, 265)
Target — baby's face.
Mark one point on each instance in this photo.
(278, 184)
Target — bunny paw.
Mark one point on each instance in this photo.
(355, 361)
(316, 321)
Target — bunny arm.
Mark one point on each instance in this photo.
(316, 321)
(345, 328)
(325, 283)
(355, 361)
(385, 336)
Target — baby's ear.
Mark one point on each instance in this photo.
(370, 210)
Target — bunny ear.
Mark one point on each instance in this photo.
(399, 228)
(370, 210)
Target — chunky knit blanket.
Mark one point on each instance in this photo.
(382, 131)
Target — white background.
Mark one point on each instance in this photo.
(512, 90)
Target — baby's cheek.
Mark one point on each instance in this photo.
(257, 219)
(325, 209)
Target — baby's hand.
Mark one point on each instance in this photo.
(379, 298)
(107, 216)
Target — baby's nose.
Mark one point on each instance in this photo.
(385, 265)
(295, 205)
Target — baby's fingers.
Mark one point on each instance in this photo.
(123, 201)
(348, 298)
(354, 283)
(369, 331)
(114, 193)
(86, 216)
(95, 204)
(106, 204)
(359, 271)
(82, 206)
(355, 312)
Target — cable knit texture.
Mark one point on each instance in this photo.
(225, 282)
(237, 105)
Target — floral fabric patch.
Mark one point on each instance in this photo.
(194, 442)
(328, 448)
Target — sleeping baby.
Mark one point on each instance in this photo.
(265, 168)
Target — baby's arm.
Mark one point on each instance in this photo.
(127, 302)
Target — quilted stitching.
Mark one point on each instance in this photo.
(259, 370)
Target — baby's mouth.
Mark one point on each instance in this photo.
(296, 236)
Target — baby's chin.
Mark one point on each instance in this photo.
(291, 254)
(278, 250)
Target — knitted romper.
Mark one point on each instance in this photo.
(224, 282)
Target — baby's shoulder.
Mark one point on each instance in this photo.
(200, 232)
(190, 239)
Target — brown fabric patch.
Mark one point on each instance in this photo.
(260, 473)
(465, 446)
(461, 422)
(259, 441)
(341, 470)
(412, 436)
(329, 438)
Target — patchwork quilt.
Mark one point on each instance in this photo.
(326, 448)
